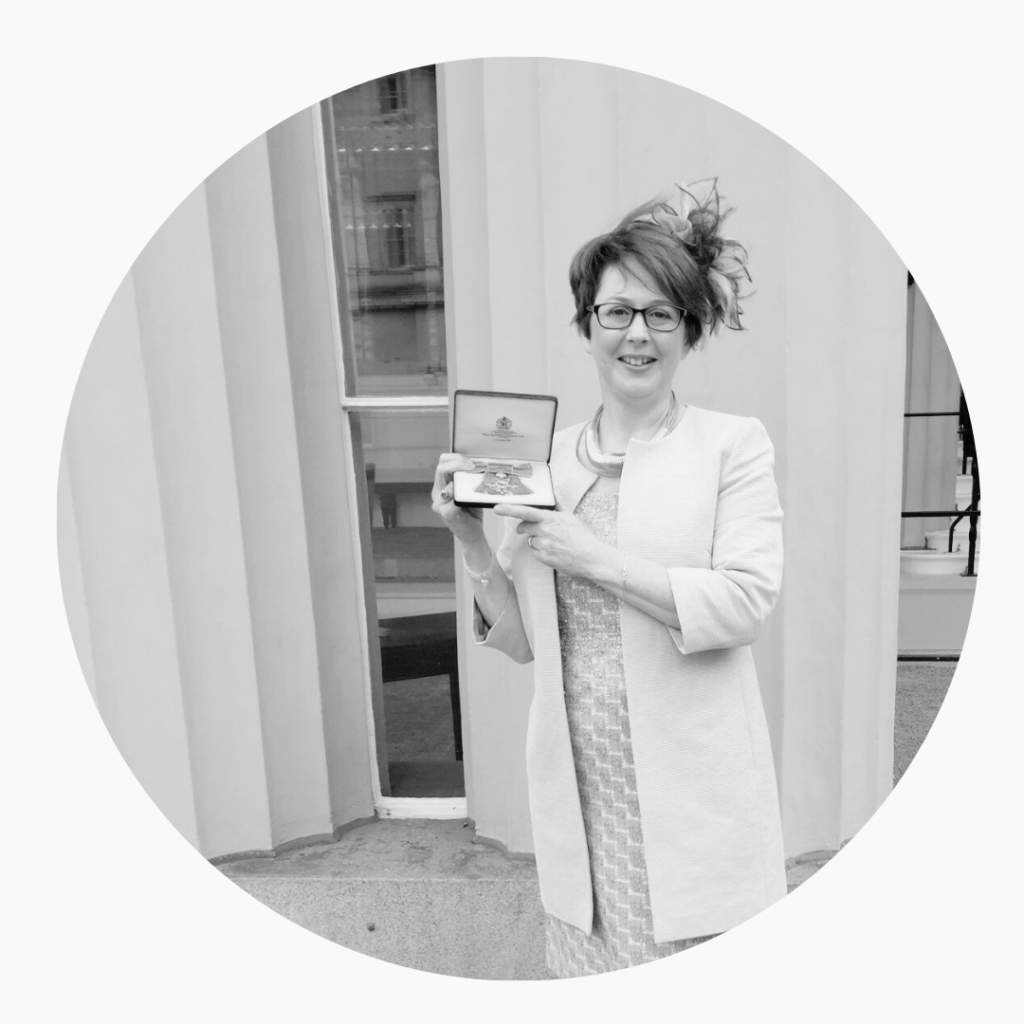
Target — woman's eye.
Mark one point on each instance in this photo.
(618, 312)
(658, 315)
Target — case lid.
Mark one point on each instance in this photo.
(503, 425)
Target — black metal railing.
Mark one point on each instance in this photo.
(973, 510)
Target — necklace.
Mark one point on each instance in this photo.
(610, 464)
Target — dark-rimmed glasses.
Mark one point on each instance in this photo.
(614, 316)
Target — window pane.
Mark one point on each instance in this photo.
(382, 156)
(414, 579)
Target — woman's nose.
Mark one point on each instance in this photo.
(638, 330)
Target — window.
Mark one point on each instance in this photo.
(383, 186)
(385, 191)
(392, 94)
(394, 226)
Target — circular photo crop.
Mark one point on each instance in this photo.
(519, 518)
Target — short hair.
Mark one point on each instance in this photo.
(695, 268)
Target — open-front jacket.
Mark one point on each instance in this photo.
(703, 503)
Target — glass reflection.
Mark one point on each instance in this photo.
(382, 155)
(414, 580)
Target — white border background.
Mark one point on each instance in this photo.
(114, 111)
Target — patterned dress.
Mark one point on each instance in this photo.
(595, 699)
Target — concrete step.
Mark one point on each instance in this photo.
(927, 562)
(964, 490)
(938, 540)
(933, 614)
(420, 893)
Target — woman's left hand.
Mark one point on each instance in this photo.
(557, 539)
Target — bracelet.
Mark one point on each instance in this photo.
(625, 572)
(483, 578)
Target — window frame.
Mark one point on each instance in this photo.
(386, 806)
(388, 205)
(400, 93)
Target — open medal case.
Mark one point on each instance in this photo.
(508, 436)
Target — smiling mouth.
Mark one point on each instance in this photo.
(636, 360)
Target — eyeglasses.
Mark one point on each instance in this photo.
(614, 316)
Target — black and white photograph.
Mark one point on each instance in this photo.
(649, 710)
(518, 518)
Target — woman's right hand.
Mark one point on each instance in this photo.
(465, 523)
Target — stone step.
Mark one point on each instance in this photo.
(419, 893)
(924, 562)
(960, 458)
(938, 540)
(964, 490)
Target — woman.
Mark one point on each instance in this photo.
(652, 789)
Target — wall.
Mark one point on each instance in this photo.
(205, 528)
(541, 155)
(204, 542)
(930, 442)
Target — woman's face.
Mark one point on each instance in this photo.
(636, 364)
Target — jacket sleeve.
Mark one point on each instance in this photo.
(726, 605)
(507, 633)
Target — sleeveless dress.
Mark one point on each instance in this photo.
(595, 699)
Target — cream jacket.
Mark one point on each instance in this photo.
(703, 503)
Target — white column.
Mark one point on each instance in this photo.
(111, 533)
(206, 549)
(496, 692)
(72, 579)
(266, 472)
(176, 305)
(324, 461)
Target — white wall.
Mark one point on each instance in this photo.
(204, 527)
(538, 156)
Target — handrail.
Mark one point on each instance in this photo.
(961, 512)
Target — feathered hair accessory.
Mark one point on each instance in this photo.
(693, 216)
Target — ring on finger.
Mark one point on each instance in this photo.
(529, 540)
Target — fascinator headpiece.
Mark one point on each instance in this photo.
(692, 215)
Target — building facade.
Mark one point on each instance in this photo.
(265, 609)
